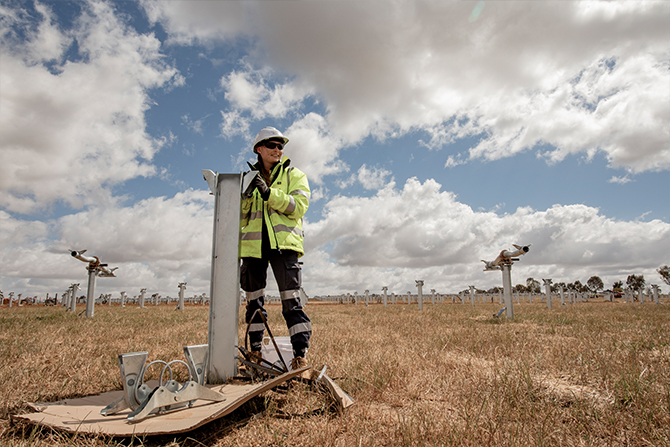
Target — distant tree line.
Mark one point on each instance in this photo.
(634, 283)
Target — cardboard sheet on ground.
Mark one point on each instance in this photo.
(83, 415)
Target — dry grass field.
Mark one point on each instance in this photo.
(581, 375)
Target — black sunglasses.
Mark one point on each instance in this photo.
(273, 145)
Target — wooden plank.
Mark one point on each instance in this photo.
(342, 399)
(83, 415)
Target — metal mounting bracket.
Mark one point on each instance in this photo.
(165, 398)
(142, 400)
(197, 357)
(131, 366)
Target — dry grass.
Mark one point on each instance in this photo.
(587, 374)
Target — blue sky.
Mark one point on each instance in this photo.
(434, 135)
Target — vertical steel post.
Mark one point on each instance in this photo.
(419, 285)
(507, 290)
(224, 304)
(547, 291)
(90, 299)
(182, 286)
(73, 297)
(655, 288)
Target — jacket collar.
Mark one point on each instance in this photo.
(285, 162)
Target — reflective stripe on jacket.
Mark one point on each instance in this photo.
(283, 212)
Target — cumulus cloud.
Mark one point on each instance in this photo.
(373, 178)
(156, 243)
(416, 231)
(314, 148)
(234, 123)
(150, 230)
(421, 232)
(369, 178)
(188, 22)
(581, 77)
(591, 112)
(72, 128)
(250, 91)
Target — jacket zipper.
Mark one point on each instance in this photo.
(267, 207)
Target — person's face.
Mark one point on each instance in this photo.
(273, 153)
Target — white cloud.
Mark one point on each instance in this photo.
(313, 149)
(454, 161)
(250, 91)
(188, 21)
(194, 125)
(241, 92)
(591, 112)
(584, 77)
(421, 232)
(620, 180)
(369, 178)
(233, 123)
(156, 243)
(81, 117)
(401, 234)
(151, 230)
(373, 178)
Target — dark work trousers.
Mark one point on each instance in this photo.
(253, 278)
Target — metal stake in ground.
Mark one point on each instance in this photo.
(655, 288)
(95, 268)
(547, 291)
(73, 297)
(419, 285)
(507, 289)
(182, 286)
(504, 262)
(562, 292)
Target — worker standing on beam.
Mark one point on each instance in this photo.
(271, 232)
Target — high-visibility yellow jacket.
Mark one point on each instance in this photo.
(283, 212)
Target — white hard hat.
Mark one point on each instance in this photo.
(268, 133)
